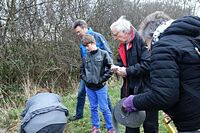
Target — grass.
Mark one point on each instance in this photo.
(10, 116)
(84, 125)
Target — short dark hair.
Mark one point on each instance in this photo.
(80, 22)
(44, 89)
(86, 39)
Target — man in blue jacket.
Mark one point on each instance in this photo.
(81, 28)
(174, 73)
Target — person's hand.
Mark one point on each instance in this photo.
(121, 71)
(128, 104)
(114, 68)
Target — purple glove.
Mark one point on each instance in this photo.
(128, 104)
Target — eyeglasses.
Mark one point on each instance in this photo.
(115, 34)
(86, 45)
(78, 32)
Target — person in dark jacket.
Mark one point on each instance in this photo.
(133, 65)
(146, 31)
(95, 71)
(44, 112)
(174, 73)
(81, 28)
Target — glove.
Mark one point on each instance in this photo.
(128, 104)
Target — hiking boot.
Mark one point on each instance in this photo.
(111, 131)
(73, 118)
(95, 130)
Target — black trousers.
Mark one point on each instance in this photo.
(54, 128)
(150, 124)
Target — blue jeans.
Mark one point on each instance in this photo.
(99, 97)
(81, 100)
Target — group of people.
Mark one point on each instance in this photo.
(159, 65)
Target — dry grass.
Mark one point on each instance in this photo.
(12, 106)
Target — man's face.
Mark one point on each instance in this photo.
(80, 31)
(120, 36)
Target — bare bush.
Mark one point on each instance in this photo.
(37, 39)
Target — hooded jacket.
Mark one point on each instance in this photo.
(41, 105)
(175, 74)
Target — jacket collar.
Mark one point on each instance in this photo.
(122, 47)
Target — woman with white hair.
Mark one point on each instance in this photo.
(133, 65)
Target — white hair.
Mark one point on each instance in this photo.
(121, 25)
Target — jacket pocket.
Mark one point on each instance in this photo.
(99, 61)
(87, 62)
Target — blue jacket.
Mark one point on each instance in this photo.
(40, 104)
(175, 75)
(100, 42)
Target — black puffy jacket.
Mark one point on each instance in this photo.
(175, 75)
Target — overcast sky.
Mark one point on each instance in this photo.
(198, 10)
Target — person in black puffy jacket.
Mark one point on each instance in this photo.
(174, 73)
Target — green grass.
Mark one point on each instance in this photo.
(10, 116)
(84, 125)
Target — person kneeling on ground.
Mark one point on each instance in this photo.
(44, 112)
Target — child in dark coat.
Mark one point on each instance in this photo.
(95, 71)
